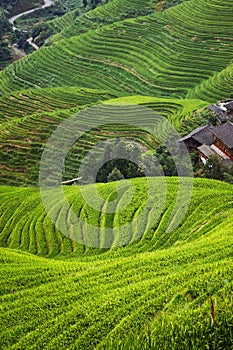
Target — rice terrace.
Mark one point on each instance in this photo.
(116, 158)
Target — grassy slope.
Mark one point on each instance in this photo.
(25, 224)
(38, 95)
(25, 131)
(152, 294)
(114, 11)
(28, 117)
(188, 44)
(217, 87)
(34, 101)
(157, 292)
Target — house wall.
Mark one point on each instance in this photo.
(224, 148)
(192, 144)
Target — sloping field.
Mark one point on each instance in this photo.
(111, 12)
(188, 44)
(133, 264)
(163, 291)
(218, 87)
(28, 118)
(177, 111)
(26, 128)
(116, 10)
(28, 102)
(26, 226)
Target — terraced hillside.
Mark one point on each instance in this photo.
(26, 226)
(161, 291)
(220, 84)
(187, 46)
(133, 264)
(73, 23)
(185, 59)
(34, 101)
(29, 118)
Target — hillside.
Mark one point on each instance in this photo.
(74, 23)
(182, 55)
(113, 64)
(187, 67)
(213, 87)
(155, 293)
(141, 263)
(25, 224)
(25, 131)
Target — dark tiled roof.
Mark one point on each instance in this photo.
(229, 105)
(216, 110)
(205, 136)
(224, 133)
(202, 135)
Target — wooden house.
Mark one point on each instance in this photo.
(223, 110)
(198, 137)
(210, 140)
(223, 138)
(229, 107)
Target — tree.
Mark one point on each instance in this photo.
(214, 168)
(5, 54)
(5, 26)
(228, 178)
(115, 175)
(166, 160)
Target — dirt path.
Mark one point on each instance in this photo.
(47, 3)
(18, 51)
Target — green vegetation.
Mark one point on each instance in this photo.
(47, 100)
(26, 225)
(120, 277)
(216, 169)
(13, 7)
(183, 54)
(113, 11)
(161, 291)
(5, 31)
(29, 117)
(217, 87)
(35, 23)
